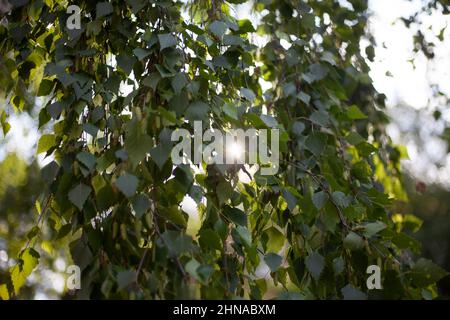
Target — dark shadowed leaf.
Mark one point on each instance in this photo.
(351, 293)
(354, 113)
(315, 264)
(79, 195)
(353, 241)
(218, 28)
(167, 40)
(273, 261)
(197, 111)
(319, 199)
(141, 204)
(104, 9)
(125, 278)
(127, 183)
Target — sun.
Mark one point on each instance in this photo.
(235, 150)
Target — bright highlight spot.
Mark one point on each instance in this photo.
(235, 150)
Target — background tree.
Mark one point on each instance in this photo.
(112, 190)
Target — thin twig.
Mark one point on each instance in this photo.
(141, 263)
(327, 190)
(158, 232)
(41, 216)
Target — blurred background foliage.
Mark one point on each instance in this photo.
(431, 204)
(20, 188)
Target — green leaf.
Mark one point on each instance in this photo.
(33, 232)
(371, 229)
(354, 138)
(64, 231)
(361, 170)
(248, 94)
(403, 241)
(224, 191)
(269, 121)
(79, 195)
(46, 142)
(141, 54)
(231, 111)
(194, 28)
(167, 40)
(218, 28)
(316, 143)
(152, 80)
(230, 40)
(161, 153)
(297, 129)
(245, 25)
(327, 56)
(245, 235)
(20, 272)
(113, 113)
(291, 200)
(178, 82)
(5, 125)
(176, 242)
(141, 204)
(289, 89)
(204, 273)
(353, 241)
(137, 144)
(113, 83)
(315, 73)
(351, 293)
(45, 88)
(127, 183)
(48, 173)
(340, 199)
(305, 98)
(125, 278)
(192, 267)
(238, 2)
(126, 63)
(425, 272)
(91, 129)
(87, 159)
(321, 118)
(412, 222)
(330, 219)
(354, 113)
(197, 111)
(315, 263)
(254, 120)
(319, 199)
(275, 239)
(273, 261)
(209, 239)
(103, 9)
(164, 72)
(338, 265)
(137, 5)
(236, 215)
(93, 28)
(427, 294)
(174, 214)
(365, 149)
(370, 52)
